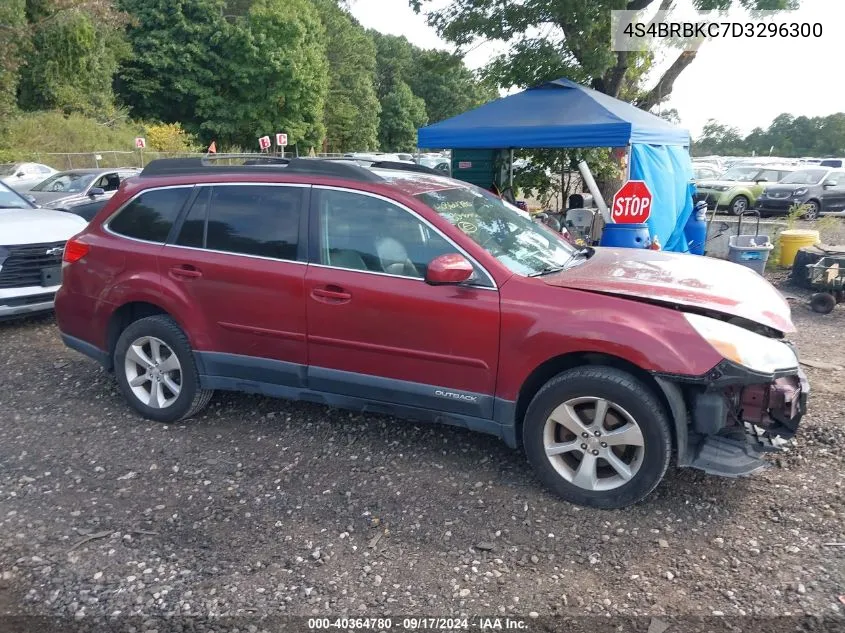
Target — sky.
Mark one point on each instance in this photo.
(744, 83)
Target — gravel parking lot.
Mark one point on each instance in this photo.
(265, 506)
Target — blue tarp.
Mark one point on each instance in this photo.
(667, 170)
(559, 113)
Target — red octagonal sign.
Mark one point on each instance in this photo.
(632, 203)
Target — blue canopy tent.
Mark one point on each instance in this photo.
(564, 114)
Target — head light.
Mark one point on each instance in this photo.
(800, 191)
(720, 187)
(751, 350)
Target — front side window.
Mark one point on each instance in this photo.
(151, 215)
(361, 232)
(260, 220)
(68, 182)
(525, 247)
(805, 177)
(769, 175)
(109, 182)
(740, 174)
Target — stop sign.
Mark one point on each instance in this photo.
(632, 203)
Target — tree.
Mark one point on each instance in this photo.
(12, 36)
(274, 62)
(352, 109)
(446, 85)
(402, 113)
(670, 115)
(71, 59)
(228, 71)
(568, 38)
(717, 138)
(175, 57)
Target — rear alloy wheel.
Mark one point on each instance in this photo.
(156, 372)
(738, 205)
(598, 437)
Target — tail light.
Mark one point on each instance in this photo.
(74, 251)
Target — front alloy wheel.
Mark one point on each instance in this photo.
(598, 436)
(593, 443)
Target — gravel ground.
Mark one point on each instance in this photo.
(262, 506)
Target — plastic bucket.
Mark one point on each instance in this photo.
(792, 241)
(751, 251)
(625, 236)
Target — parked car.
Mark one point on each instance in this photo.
(737, 189)
(73, 190)
(22, 176)
(820, 189)
(443, 165)
(832, 162)
(421, 296)
(31, 244)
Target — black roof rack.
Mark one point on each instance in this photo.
(252, 163)
(392, 164)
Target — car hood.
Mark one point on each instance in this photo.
(37, 226)
(684, 280)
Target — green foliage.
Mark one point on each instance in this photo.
(787, 136)
(274, 59)
(446, 85)
(352, 111)
(13, 16)
(549, 39)
(402, 113)
(169, 137)
(70, 64)
(175, 55)
(31, 132)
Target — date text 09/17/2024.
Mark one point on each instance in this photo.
(418, 624)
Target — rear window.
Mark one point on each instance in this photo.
(151, 215)
(260, 220)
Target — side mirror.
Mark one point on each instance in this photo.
(830, 183)
(30, 197)
(96, 191)
(20, 174)
(449, 269)
(761, 180)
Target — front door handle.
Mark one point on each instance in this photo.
(331, 294)
(186, 271)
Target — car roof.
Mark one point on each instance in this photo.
(410, 179)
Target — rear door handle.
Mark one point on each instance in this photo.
(186, 271)
(331, 294)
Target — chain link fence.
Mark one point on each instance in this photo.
(114, 158)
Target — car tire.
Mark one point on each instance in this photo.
(738, 205)
(812, 211)
(822, 302)
(155, 385)
(632, 414)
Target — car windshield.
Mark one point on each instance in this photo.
(70, 182)
(11, 200)
(525, 247)
(741, 174)
(7, 170)
(805, 177)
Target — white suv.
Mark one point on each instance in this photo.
(31, 244)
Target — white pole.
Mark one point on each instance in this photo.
(587, 176)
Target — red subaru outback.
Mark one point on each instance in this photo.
(412, 294)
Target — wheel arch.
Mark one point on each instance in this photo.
(558, 364)
(125, 315)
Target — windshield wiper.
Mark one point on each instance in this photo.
(582, 252)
